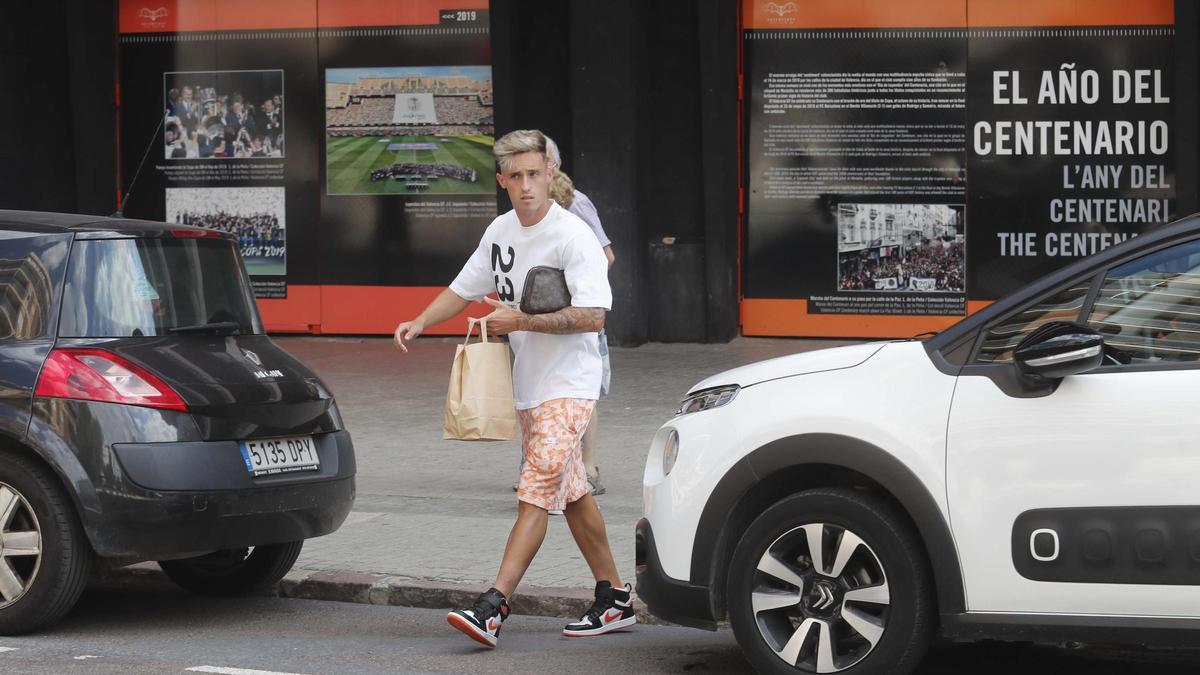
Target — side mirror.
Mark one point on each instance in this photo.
(1057, 350)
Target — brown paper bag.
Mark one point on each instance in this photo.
(479, 402)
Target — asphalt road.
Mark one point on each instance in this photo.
(167, 631)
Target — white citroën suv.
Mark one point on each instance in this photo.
(1031, 473)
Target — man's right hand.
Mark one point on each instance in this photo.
(408, 331)
(444, 307)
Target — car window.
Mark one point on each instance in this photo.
(151, 286)
(1001, 338)
(1149, 309)
(26, 288)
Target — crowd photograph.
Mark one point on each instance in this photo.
(254, 215)
(411, 171)
(223, 115)
(901, 247)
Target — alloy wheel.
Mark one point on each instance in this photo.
(820, 598)
(20, 545)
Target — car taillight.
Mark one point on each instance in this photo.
(191, 234)
(100, 375)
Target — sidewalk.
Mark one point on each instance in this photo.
(432, 517)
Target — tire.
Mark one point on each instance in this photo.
(44, 554)
(876, 614)
(234, 572)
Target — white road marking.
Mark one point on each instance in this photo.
(235, 671)
(85, 657)
(8, 649)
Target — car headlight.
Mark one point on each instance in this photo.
(706, 399)
(670, 452)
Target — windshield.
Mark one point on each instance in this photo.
(147, 287)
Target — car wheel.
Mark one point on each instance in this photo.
(44, 555)
(231, 572)
(831, 580)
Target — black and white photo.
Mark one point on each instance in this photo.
(901, 247)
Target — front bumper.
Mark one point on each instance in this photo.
(669, 599)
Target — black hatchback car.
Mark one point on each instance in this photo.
(144, 415)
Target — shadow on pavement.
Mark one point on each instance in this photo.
(114, 612)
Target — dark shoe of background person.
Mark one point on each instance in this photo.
(612, 610)
(483, 621)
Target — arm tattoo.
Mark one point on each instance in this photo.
(565, 321)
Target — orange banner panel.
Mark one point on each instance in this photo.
(800, 14)
(777, 318)
(300, 312)
(389, 12)
(378, 309)
(176, 16)
(1000, 13)
(784, 14)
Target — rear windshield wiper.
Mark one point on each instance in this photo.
(215, 328)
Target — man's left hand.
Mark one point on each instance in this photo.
(503, 319)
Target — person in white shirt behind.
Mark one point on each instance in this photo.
(556, 380)
(563, 191)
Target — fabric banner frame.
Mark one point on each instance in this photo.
(328, 239)
(792, 283)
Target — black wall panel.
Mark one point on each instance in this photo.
(641, 97)
(57, 75)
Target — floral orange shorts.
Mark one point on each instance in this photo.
(553, 474)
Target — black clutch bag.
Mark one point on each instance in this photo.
(545, 291)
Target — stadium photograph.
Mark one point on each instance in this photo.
(426, 130)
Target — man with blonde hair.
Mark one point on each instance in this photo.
(556, 380)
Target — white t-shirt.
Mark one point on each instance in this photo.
(545, 366)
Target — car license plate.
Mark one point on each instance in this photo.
(269, 456)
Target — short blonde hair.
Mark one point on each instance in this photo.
(562, 189)
(516, 142)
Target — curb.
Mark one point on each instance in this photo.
(382, 589)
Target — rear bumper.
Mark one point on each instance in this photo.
(172, 499)
(182, 523)
(669, 599)
(218, 465)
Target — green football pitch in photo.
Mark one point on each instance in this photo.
(350, 161)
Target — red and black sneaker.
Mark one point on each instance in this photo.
(612, 610)
(482, 622)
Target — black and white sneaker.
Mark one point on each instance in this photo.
(612, 610)
(482, 622)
